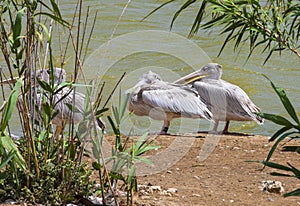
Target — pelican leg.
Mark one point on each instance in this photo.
(57, 132)
(165, 127)
(216, 124)
(225, 130)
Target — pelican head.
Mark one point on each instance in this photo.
(149, 77)
(59, 75)
(209, 71)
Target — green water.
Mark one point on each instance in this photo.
(283, 70)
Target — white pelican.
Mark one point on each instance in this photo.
(67, 96)
(226, 101)
(165, 101)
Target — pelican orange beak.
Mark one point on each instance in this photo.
(192, 77)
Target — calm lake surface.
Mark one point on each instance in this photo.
(283, 70)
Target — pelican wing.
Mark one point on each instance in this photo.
(227, 101)
(174, 99)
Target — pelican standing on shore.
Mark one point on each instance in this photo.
(67, 96)
(165, 101)
(226, 101)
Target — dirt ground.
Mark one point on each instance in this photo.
(223, 178)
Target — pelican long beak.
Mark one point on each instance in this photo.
(192, 77)
(9, 81)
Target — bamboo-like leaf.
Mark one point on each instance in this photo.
(280, 174)
(277, 119)
(45, 29)
(285, 101)
(116, 131)
(279, 132)
(96, 166)
(293, 193)
(10, 146)
(55, 8)
(291, 149)
(116, 115)
(282, 137)
(7, 159)
(183, 7)
(55, 18)
(10, 105)
(198, 19)
(101, 111)
(294, 170)
(156, 9)
(226, 41)
(123, 105)
(45, 85)
(46, 108)
(276, 166)
(17, 28)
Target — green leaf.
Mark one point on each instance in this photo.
(45, 29)
(183, 7)
(277, 119)
(295, 170)
(293, 193)
(45, 85)
(10, 146)
(198, 19)
(55, 8)
(96, 166)
(17, 28)
(115, 129)
(276, 166)
(282, 137)
(279, 132)
(10, 105)
(55, 18)
(7, 159)
(280, 174)
(46, 108)
(286, 102)
(156, 9)
(123, 105)
(99, 112)
(291, 149)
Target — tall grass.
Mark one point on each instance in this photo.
(43, 166)
(38, 168)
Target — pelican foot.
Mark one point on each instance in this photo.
(226, 132)
(214, 132)
(164, 133)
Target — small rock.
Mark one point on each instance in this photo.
(172, 190)
(272, 186)
(231, 201)
(155, 188)
(196, 177)
(10, 201)
(270, 199)
(164, 192)
(95, 200)
(169, 171)
(196, 195)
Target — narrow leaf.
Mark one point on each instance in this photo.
(293, 193)
(282, 137)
